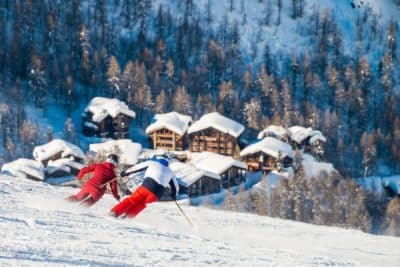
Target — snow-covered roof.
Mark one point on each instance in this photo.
(62, 164)
(127, 150)
(300, 133)
(215, 163)
(172, 121)
(24, 167)
(270, 146)
(189, 174)
(277, 131)
(101, 107)
(317, 136)
(46, 151)
(219, 122)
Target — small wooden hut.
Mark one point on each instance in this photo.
(231, 171)
(168, 131)
(267, 154)
(195, 182)
(215, 133)
(305, 138)
(107, 117)
(277, 131)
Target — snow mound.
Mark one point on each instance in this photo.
(54, 147)
(26, 168)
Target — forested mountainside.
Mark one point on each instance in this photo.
(331, 65)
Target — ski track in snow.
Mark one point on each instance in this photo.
(38, 228)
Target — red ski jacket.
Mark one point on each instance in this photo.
(102, 174)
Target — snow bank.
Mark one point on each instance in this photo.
(219, 122)
(26, 168)
(172, 121)
(127, 150)
(101, 107)
(160, 235)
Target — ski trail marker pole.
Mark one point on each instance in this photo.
(184, 215)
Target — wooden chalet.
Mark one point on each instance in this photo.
(267, 154)
(195, 182)
(58, 149)
(305, 138)
(107, 118)
(231, 171)
(215, 133)
(168, 131)
(276, 131)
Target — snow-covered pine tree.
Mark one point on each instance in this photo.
(114, 76)
(38, 83)
(183, 101)
(70, 134)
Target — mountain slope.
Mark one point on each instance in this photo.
(39, 228)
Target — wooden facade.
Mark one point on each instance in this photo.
(109, 127)
(215, 141)
(203, 186)
(232, 177)
(263, 162)
(166, 139)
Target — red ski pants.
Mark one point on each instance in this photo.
(135, 203)
(89, 194)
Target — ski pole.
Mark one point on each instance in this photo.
(183, 213)
(103, 185)
(82, 202)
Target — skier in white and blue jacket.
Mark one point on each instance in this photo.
(157, 177)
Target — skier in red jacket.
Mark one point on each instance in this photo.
(95, 187)
(157, 177)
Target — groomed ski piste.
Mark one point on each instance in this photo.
(38, 228)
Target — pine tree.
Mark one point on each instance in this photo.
(393, 217)
(182, 101)
(29, 136)
(161, 103)
(252, 112)
(114, 75)
(287, 104)
(70, 134)
(38, 83)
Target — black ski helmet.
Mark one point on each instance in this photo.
(113, 158)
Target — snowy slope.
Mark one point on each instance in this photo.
(39, 229)
(290, 35)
